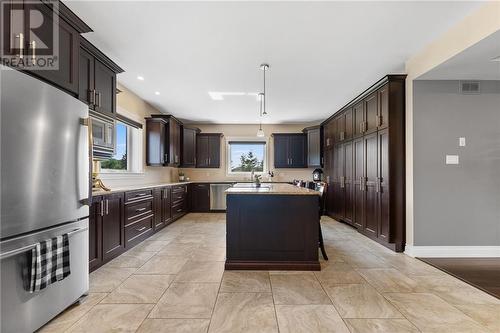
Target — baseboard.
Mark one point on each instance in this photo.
(453, 251)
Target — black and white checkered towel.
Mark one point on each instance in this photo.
(49, 262)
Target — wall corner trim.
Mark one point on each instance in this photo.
(452, 251)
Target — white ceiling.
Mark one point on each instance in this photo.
(322, 54)
(474, 63)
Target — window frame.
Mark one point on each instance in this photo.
(249, 140)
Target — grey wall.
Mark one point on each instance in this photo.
(456, 205)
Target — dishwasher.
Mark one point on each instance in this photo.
(218, 196)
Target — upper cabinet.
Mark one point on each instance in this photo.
(290, 150)
(163, 141)
(97, 79)
(50, 51)
(313, 146)
(188, 146)
(208, 150)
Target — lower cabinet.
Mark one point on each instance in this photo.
(95, 234)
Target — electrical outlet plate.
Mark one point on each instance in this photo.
(452, 159)
(461, 142)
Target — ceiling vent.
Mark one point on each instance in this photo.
(470, 87)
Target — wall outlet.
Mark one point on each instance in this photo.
(461, 142)
(452, 159)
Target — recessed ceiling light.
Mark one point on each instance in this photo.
(157, 92)
(219, 95)
(140, 78)
(496, 59)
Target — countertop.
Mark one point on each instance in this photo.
(147, 186)
(271, 189)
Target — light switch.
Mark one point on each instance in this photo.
(451, 159)
(461, 142)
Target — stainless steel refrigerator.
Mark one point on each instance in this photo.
(44, 191)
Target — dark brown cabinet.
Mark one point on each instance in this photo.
(188, 146)
(208, 150)
(162, 207)
(30, 48)
(290, 150)
(95, 234)
(366, 175)
(163, 141)
(97, 79)
(314, 158)
(200, 197)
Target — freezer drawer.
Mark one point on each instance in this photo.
(22, 311)
(218, 196)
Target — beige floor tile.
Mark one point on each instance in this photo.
(191, 238)
(151, 245)
(112, 318)
(187, 300)
(429, 313)
(209, 253)
(179, 249)
(360, 301)
(201, 271)
(388, 280)
(309, 318)
(140, 289)
(105, 279)
(174, 326)
(364, 260)
(338, 272)
(381, 326)
(244, 312)
(66, 319)
(161, 265)
(487, 315)
(297, 289)
(132, 260)
(411, 266)
(245, 281)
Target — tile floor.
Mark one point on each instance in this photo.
(175, 282)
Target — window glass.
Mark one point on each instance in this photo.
(119, 160)
(247, 156)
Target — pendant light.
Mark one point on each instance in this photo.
(262, 101)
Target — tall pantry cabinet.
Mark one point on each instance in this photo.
(364, 149)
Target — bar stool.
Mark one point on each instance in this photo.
(321, 188)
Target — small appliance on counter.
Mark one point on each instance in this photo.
(97, 184)
(317, 175)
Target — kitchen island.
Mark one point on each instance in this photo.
(272, 227)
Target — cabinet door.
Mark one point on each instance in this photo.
(166, 200)
(313, 148)
(383, 107)
(340, 128)
(348, 121)
(201, 151)
(214, 151)
(174, 142)
(156, 154)
(86, 78)
(113, 236)
(358, 181)
(371, 112)
(105, 86)
(337, 181)
(384, 229)
(330, 193)
(281, 159)
(359, 119)
(348, 181)
(200, 197)
(12, 28)
(334, 128)
(95, 234)
(188, 148)
(370, 205)
(297, 148)
(66, 76)
(328, 134)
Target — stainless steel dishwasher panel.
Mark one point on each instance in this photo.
(218, 196)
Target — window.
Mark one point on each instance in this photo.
(128, 150)
(246, 156)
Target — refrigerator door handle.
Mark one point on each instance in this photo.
(82, 173)
(14, 252)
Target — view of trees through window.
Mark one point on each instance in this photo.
(247, 156)
(119, 160)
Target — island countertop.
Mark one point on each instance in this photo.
(271, 189)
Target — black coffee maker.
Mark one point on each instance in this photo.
(317, 175)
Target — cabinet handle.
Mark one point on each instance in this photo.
(100, 98)
(91, 96)
(342, 182)
(33, 48)
(342, 136)
(179, 210)
(102, 208)
(107, 206)
(140, 209)
(379, 121)
(21, 45)
(186, 189)
(141, 229)
(165, 158)
(141, 194)
(165, 194)
(361, 183)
